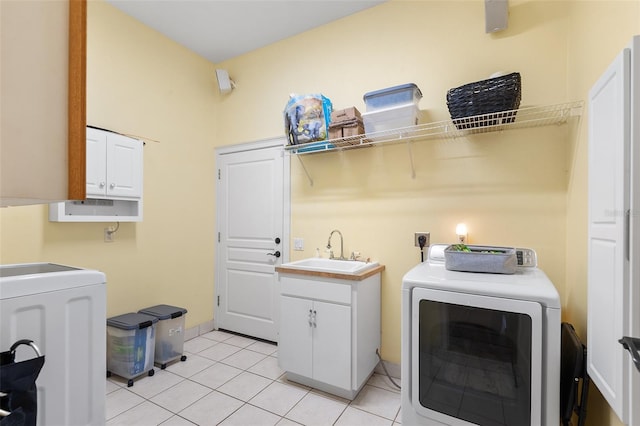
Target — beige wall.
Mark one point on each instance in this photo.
(525, 187)
(140, 83)
(498, 184)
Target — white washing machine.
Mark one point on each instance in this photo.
(63, 310)
(480, 348)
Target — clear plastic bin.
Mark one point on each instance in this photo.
(131, 345)
(389, 119)
(392, 96)
(169, 333)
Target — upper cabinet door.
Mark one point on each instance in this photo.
(114, 165)
(42, 125)
(124, 166)
(608, 263)
(96, 163)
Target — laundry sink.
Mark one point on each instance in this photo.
(337, 266)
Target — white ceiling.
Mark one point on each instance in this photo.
(222, 29)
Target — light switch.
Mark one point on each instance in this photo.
(298, 244)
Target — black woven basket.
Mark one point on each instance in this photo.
(487, 98)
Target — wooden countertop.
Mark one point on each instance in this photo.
(333, 275)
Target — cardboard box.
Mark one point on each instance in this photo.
(353, 130)
(347, 114)
(335, 132)
(346, 131)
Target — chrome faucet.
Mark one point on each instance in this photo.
(341, 246)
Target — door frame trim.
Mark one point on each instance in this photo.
(274, 142)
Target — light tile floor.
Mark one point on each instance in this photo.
(234, 380)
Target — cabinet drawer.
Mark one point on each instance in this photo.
(317, 289)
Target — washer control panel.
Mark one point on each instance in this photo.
(526, 258)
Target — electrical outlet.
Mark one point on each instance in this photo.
(108, 235)
(417, 235)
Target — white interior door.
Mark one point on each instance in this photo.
(608, 263)
(253, 228)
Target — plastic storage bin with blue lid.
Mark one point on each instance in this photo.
(131, 345)
(170, 333)
(384, 123)
(392, 96)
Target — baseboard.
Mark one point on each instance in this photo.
(393, 369)
(191, 333)
(198, 330)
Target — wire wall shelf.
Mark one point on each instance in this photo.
(449, 129)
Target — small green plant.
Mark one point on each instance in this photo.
(464, 248)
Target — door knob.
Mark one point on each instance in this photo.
(633, 346)
(276, 254)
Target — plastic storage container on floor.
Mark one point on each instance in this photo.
(392, 96)
(169, 333)
(131, 345)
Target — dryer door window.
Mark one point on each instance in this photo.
(476, 359)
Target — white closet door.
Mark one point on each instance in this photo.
(608, 264)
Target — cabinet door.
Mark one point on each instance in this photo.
(608, 266)
(96, 163)
(294, 347)
(124, 166)
(332, 344)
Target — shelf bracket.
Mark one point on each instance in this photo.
(306, 172)
(413, 169)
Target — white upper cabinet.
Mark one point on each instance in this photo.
(114, 165)
(114, 179)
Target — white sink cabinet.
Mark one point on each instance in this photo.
(329, 329)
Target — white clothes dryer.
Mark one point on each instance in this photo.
(480, 348)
